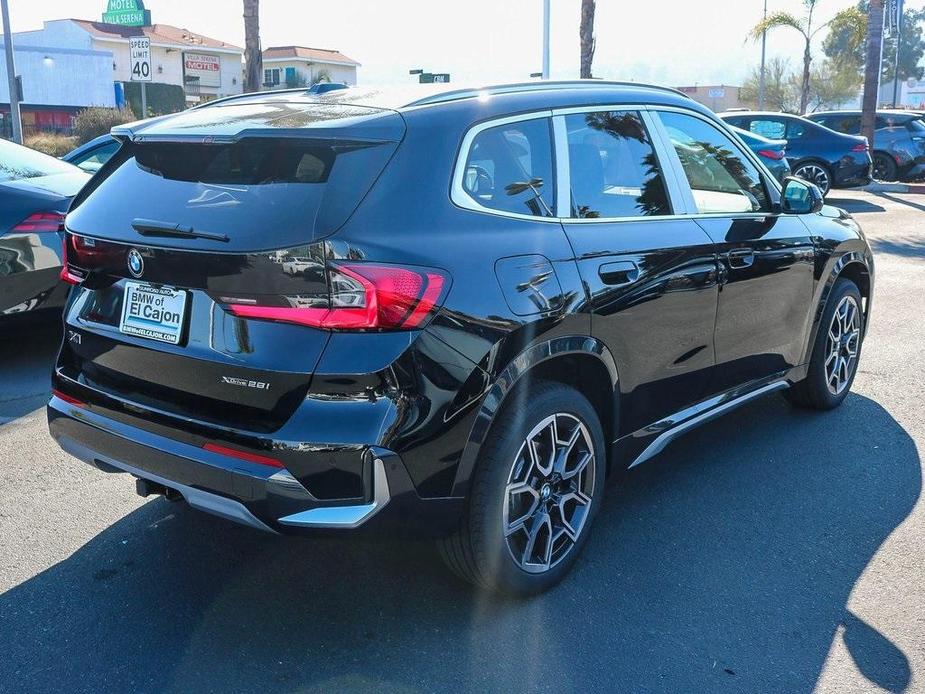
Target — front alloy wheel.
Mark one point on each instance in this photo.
(548, 493)
(842, 343)
(815, 173)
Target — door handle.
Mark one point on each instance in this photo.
(618, 274)
(741, 257)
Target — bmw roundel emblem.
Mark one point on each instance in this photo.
(136, 264)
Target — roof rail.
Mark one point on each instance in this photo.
(518, 87)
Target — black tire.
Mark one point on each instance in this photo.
(884, 167)
(479, 552)
(817, 173)
(814, 391)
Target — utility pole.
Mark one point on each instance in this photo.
(761, 79)
(874, 53)
(11, 74)
(898, 8)
(545, 39)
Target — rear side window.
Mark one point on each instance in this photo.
(613, 168)
(795, 130)
(509, 168)
(721, 177)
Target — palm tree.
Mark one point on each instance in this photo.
(872, 69)
(253, 57)
(586, 37)
(805, 26)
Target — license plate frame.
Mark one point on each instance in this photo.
(153, 312)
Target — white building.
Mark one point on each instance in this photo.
(297, 66)
(204, 67)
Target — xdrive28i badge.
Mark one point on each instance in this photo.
(136, 264)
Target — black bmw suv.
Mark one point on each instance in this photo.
(450, 314)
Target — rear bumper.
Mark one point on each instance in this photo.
(262, 497)
(851, 172)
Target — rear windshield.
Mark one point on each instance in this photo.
(17, 163)
(261, 193)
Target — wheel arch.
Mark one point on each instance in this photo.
(854, 266)
(581, 362)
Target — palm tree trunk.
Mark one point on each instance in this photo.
(252, 55)
(586, 36)
(804, 88)
(872, 70)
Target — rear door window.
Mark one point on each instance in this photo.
(613, 168)
(509, 168)
(795, 130)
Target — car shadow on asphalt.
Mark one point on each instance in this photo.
(725, 563)
(27, 355)
(854, 205)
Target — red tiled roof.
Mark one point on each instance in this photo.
(158, 33)
(321, 55)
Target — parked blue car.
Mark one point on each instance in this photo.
(772, 152)
(815, 153)
(93, 154)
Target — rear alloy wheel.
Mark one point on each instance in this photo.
(534, 494)
(815, 173)
(884, 167)
(549, 491)
(834, 362)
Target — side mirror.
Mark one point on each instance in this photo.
(801, 197)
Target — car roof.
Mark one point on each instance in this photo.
(763, 114)
(413, 96)
(880, 112)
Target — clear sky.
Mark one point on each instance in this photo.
(676, 42)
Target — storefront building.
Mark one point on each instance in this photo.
(70, 64)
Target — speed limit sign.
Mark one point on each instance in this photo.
(140, 51)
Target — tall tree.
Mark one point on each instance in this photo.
(804, 25)
(780, 94)
(253, 57)
(846, 42)
(872, 69)
(586, 37)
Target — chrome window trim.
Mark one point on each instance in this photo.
(458, 194)
(679, 193)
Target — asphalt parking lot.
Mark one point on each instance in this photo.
(771, 551)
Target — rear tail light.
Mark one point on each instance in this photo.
(70, 400)
(776, 154)
(242, 455)
(40, 222)
(361, 296)
(860, 147)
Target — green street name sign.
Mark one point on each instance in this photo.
(130, 13)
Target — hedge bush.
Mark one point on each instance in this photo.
(162, 98)
(51, 143)
(96, 121)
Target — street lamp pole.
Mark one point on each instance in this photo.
(545, 39)
(898, 8)
(761, 79)
(11, 73)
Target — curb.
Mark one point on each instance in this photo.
(879, 187)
